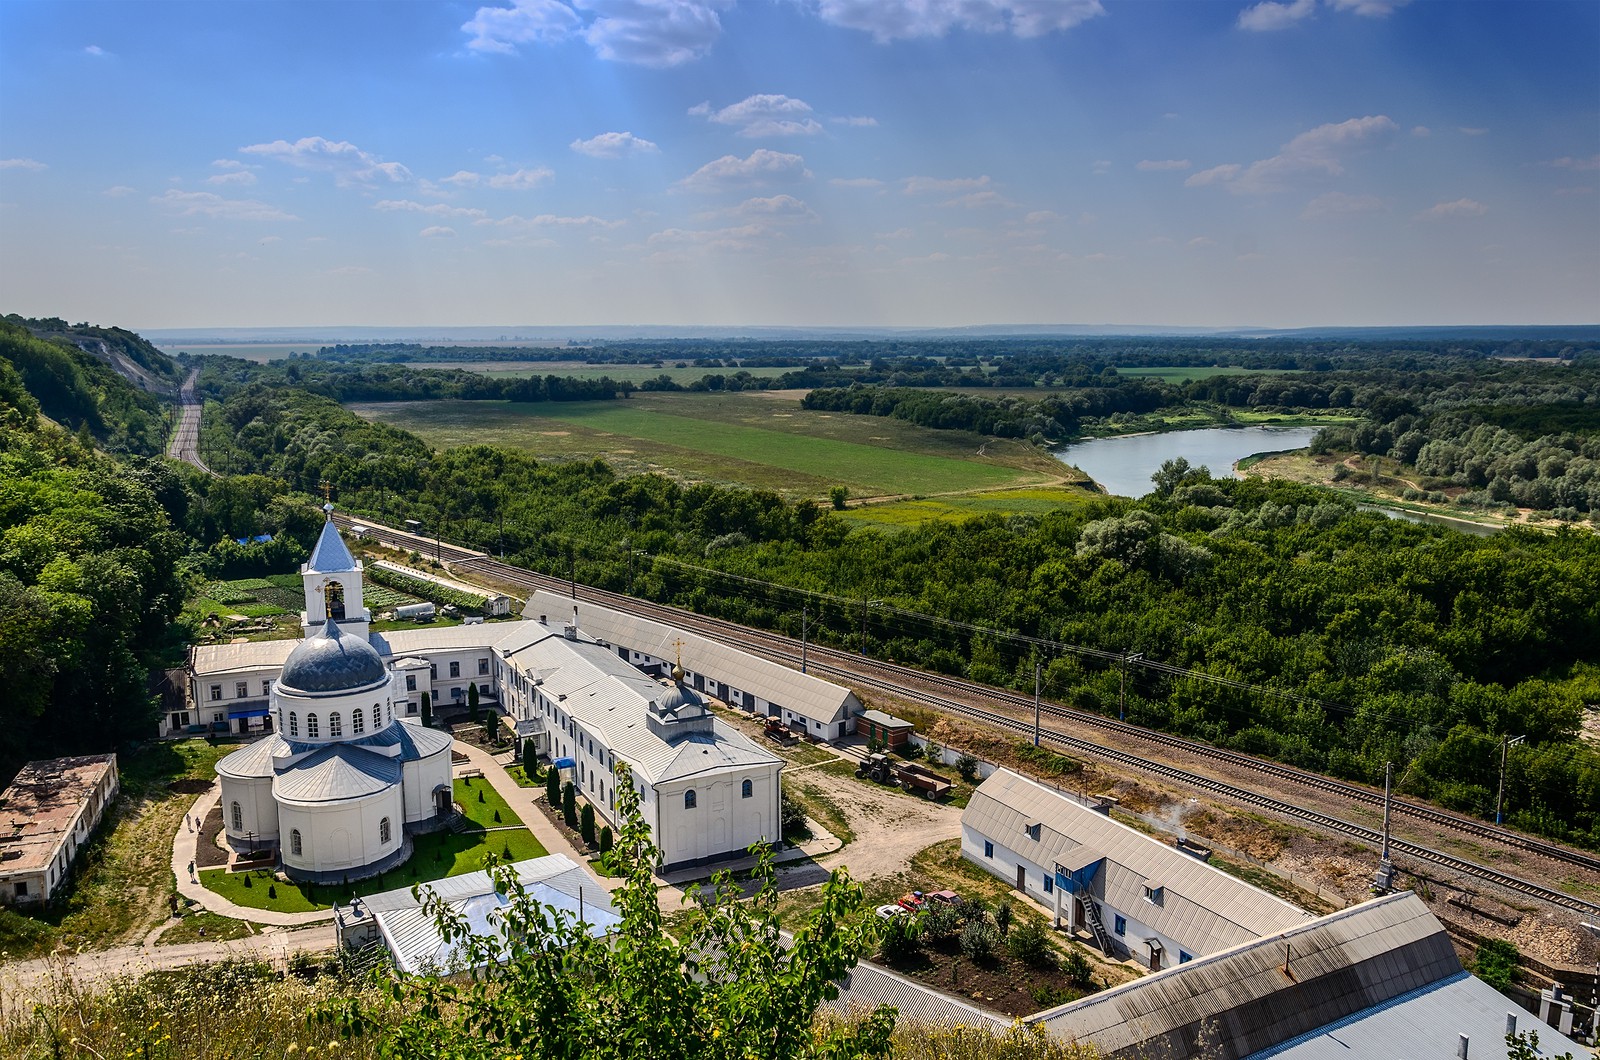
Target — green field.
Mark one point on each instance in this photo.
(762, 439)
(633, 373)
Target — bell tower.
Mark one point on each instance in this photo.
(332, 579)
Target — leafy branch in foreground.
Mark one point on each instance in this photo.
(734, 987)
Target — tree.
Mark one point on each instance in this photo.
(902, 937)
(472, 703)
(967, 766)
(530, 757)
(606, 840)
(729, 988)
(569, 804)
(427, 710)
(586, 824)
(552, 787)
(1496, 963)
(837, 496)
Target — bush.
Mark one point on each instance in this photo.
(606, 840)
(1029, 943)
(979, 940)
(1002, 918)
(793, 817)
(967, 766)
(586, 825)
(1077, 968)
(569, 804)
(552, 787)
(901, 939)
(941, 922)
(1496, 963)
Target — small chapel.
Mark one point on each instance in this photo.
(342, 780)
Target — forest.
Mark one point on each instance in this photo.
(1368, 640)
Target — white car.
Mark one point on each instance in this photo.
(890, 911)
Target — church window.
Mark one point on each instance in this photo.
(294, 724)
(383, 830)
(455, 669)
(433, 671)
(236, 815)
(377, 718)
(747, 789)
(311, 726)
(411, 682)
(335, 726)
(294, 842)
(358, 722)
(689, 799)
(483, 667)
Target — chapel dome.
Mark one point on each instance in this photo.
(332, 661)
(679, 696)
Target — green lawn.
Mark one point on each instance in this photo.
(200, 924)
(436, 856)
(481, 802)
(758, 439)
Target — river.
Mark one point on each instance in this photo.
(1123, 465)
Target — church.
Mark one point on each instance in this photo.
(344, 772)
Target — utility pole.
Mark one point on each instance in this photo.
(1383, 882)
(1506, 744)
(572, 569)
(805, 615)
(1036, 702)
(1122, 691)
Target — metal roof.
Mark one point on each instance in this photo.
(40, 805)
(610, 699)
(255, 758)
(1266, 992)
(1201, 907)
(501, 635)
(888, 721)
(1428, 1021)
(330, 556)
(809, 696)
(338, 771)
(415, 741)
(866, 986)
(216, 660)
(331, 661)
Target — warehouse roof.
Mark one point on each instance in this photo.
(1198, 905)
(809, 696)
(219, 659)
(455, 638)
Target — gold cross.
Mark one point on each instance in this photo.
(327, 491)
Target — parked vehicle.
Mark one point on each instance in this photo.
(911, 901)
(944, 898)
(914, 778)
(777, 730)
(877, 767)
(890, 911)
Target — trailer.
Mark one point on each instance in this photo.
(914, 778)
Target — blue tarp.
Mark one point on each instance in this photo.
(259, 539)
(565, 763)
(250, 712)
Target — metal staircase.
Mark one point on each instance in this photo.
(1091, 915)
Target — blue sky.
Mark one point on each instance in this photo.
(802, 162)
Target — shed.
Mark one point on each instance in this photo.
(422, 612)
(892, 731)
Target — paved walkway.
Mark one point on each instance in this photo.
(184, 847)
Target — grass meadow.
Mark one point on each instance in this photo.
(762, 439)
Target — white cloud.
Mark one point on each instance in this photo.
(1039, 217)
(232, 176)
(889, 20)
(738, 239)
(209, 204)
(1100, 165)
(1421, 131)
(761, 167)
(930, 185)
(1316, 152)
(95, 50)
(1201, 241)
(118, 191)
(1579, 164)
(860, 122)
(1459, 208)
(613, 145)
(764, 115)
(978, 200)
(348, 163)
(856, 182)
(521, 180)
(1339, 204)
(777, 207)
(462, 178)
(432, 209)
(438, 232)
(501, 29)
(1267, 15)
(264, 240)
(1369, 8)
(550, 220)
(1150, 166)
(31, 164)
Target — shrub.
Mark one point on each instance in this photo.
(569, 804)
(901, 939)
(1029, 943)
(941, 922)
(979, 940)
(586, 825)
(1002, 918)
(967, 766)
(1076, 967)
(1496, 963)
(552, 787)
(606, 840)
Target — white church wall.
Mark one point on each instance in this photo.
(258, 812)
(419, 779)
(342, 835)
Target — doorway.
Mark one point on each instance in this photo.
(1022, 878)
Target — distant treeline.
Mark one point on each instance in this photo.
(221, 376)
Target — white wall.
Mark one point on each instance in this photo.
(256, 806)
(419, 779)
(341, 835)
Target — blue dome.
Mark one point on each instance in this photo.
(332, 661)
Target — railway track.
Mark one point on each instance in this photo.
(938, 692)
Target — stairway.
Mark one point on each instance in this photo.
(1091, 914)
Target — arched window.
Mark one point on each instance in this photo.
(334, 595)
(358, 722)
(236, 814)
(294, 842)
(383, 831)
(377, 718)
(311, 726)
(294, 724)
(747, 789)
(335, 728)
(689, 799)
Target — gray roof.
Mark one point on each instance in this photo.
(415, 741)
(1338, 965)
(338, 771)
(1427, 1021)
(219, 659)
(867, 986)
(330, 556)
(500, 635)
(610, 699)
(809, 696)
(332, 661)
(254, 759)
(878, 717)
(1202, 908)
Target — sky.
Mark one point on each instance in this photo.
(909, 163)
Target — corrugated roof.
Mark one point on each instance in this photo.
(1337, 965)
(456, 638)
(220, 659)
(610, 698)
(254, 759)
(1201, 907)
(415, 741)
(553, 869)
(330, 556)
(812, 697)
(338, 771)
(1427, 1021)
(867, 986)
